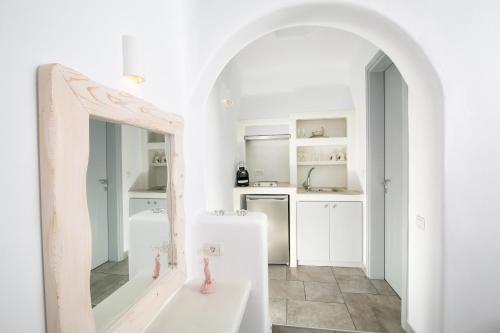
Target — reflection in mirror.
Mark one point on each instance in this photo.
(129, 204)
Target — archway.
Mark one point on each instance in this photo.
(426, 139)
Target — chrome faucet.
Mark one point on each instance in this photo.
(307, 182)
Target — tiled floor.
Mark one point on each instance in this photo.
(331, 298)
(107, 278)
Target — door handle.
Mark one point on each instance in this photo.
(386, 184)
(103, 181)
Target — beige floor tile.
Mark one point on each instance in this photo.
(286, 289)
(277, 272)
(291, 329)
(375, 313)
(318, 315)
(355, 284)
(310, 273)
(348, 271)
(383, 288)
(323, 292)
(277, 311)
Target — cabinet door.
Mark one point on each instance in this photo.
(138, 205)
(346, 232)
(313, 229)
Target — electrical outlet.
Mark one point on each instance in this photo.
(213, 250)
(420, 222)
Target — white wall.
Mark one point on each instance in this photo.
(219, 147)
(85, 35)
(458, 37)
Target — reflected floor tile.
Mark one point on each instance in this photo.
(120, 268)
(277, 310)
(277, 272)
(286, 289)
(375, 313)
(355, 284)
(102, 285)
(318, 315)
(348, 271)
(323, 292)
(310, 273)
(383, 288)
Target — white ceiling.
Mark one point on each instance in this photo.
(282, 66)
(297, 57)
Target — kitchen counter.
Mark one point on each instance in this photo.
(296, 195)
(300, 193)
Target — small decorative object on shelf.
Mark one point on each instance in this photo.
(319, 133)
(208, 285)
(341, 156)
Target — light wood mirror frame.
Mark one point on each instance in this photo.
(66, 100)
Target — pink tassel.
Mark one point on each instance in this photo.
(208, 286)
(156, 272)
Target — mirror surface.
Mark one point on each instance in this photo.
(128, 198)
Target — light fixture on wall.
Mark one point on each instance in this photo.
(227, 103)
(132, 59)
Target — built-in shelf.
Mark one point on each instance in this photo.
(321, 141)
(156, 145)
(322, 163)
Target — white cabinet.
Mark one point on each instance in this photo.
(346, 232)
(329, 233)
(313, 229)
(138, 205)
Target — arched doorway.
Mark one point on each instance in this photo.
(425, 114)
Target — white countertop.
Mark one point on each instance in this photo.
(147, 194)
(301, 194)
(189, 311)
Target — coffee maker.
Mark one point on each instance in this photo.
(242, 175)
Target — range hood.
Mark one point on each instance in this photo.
(267, 137)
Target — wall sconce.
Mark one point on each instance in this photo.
(132, 59)
(227, 103)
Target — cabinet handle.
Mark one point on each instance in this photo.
(154, 202)
(334, 206)
(149, 202)
(326, 205)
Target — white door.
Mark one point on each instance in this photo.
(346, 223)
(97, 195)
(313, 232)
(395, 104)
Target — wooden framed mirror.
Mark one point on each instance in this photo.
(71, 106)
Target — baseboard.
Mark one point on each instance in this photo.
(330, 263)
(409, 329)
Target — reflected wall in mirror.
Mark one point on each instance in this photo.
(128, 201)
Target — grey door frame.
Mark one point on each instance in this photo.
(375, 164)
(115, 192)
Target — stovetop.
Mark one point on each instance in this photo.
(266, 183)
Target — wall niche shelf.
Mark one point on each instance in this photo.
(313, 163)
(336, 141)
(156, 145)
(333, 127)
